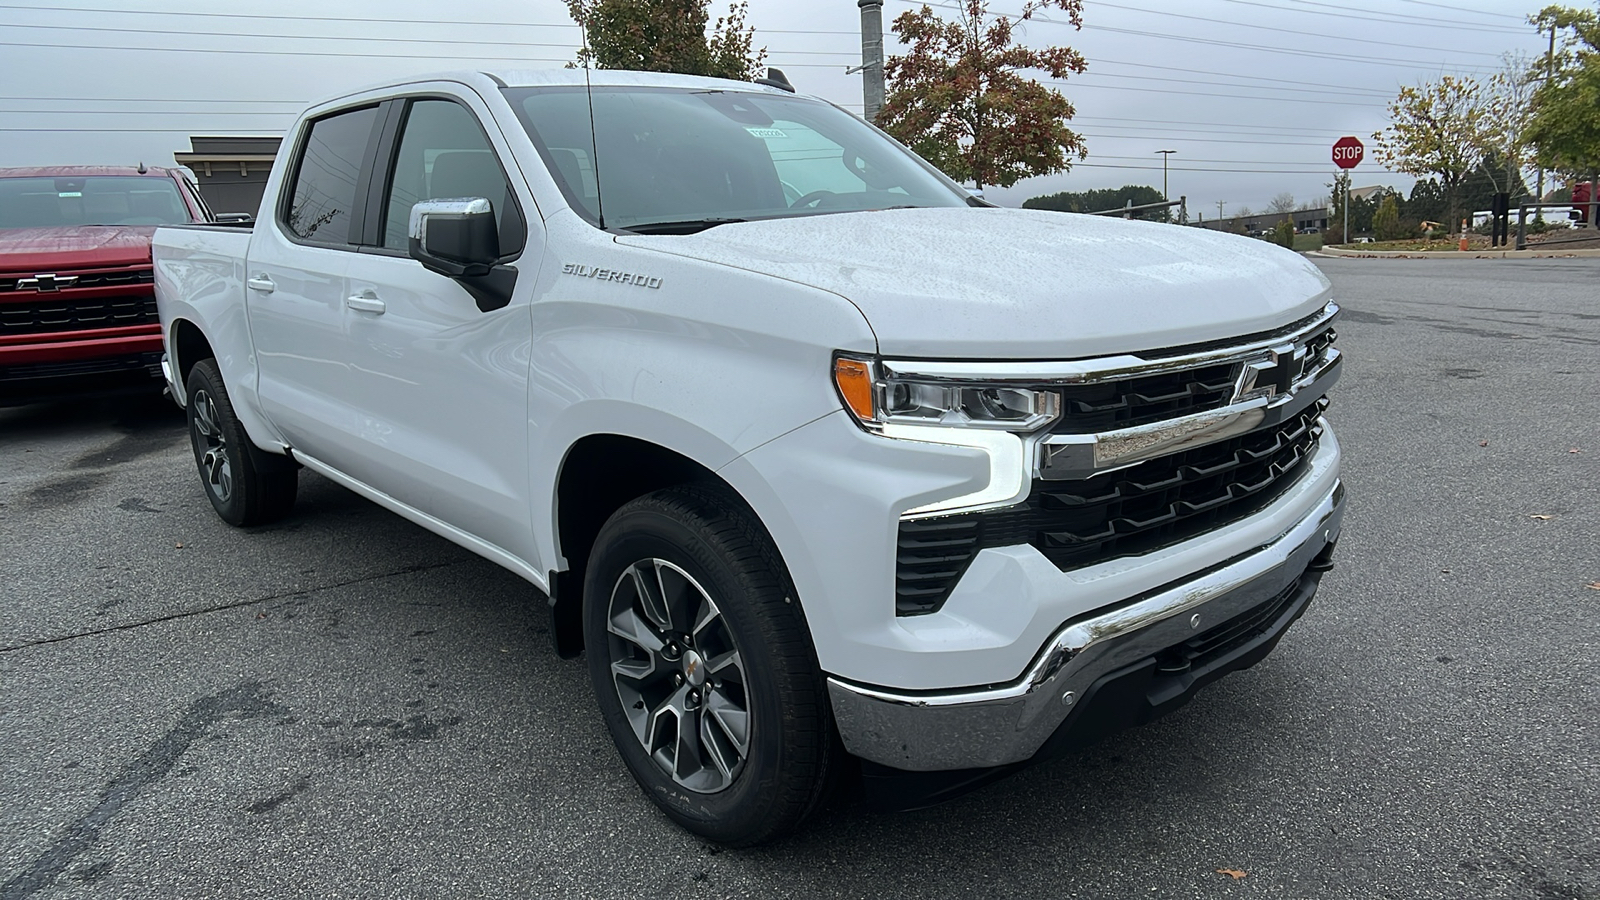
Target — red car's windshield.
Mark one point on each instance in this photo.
(45, 202)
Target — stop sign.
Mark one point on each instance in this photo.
(1347, 151)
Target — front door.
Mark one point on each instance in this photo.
(442, 385)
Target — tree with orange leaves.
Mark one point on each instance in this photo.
(958, 96)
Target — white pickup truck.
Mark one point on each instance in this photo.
(822, 459)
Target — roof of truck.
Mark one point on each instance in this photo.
(490, 79)
(617, 78)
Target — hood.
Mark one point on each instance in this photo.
(1022, 284)
(34, 250)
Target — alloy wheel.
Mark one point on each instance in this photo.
(679, 676)
(211, 447)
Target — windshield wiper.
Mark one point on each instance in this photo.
(683, 226)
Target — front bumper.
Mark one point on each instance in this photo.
(1080, 679)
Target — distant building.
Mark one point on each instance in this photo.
(1261, 223)
(232, 170)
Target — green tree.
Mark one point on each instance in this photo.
(1283, 233)
(1438, 129)
(1565, 127)
(1386, 221)
(1103, 199)
(958, 97)
(1427, 202)
(667, 36)
(1492, 175)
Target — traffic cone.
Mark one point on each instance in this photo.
(1463, 247)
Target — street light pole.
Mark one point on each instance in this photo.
(1164, 155)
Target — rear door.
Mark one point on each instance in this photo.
(444, 383)
(297, 287)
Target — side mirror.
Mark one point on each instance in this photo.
(460, 239)
(457, 238)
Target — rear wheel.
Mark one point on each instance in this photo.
(245, 485)
(703, 667)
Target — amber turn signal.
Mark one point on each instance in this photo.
(854, 379)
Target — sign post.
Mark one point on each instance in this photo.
(1347, 151)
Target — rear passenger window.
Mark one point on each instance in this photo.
(444, 155)
(325, 180)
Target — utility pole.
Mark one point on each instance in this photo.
(1220, 219)
(1549, 70)
(871, 68)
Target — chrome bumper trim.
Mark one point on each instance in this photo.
(932, 731)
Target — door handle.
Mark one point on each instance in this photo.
(261, 283)
(366, 301)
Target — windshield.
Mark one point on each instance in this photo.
(90, 200)
(695, 156)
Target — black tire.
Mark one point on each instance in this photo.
(790, 752)
(245, 485)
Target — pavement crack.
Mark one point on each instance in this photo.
(223, 607)
(248, 699)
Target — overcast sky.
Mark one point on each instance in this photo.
(1250, 93)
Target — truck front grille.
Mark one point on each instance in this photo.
(98, 278)
(1127, 512)
(67, 313)
(1089, 408)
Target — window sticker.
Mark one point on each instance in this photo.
(766, 133)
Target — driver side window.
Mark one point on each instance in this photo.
(443, 154)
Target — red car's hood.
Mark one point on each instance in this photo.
(35, 250)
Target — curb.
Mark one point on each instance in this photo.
(1334, 252)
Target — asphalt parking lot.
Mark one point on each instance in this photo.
(343, 705)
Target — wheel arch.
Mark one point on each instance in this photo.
(188, 345)
(598, 475)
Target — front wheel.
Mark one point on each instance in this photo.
(703, 667)
(245, 485)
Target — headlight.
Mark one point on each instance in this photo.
(877, 399)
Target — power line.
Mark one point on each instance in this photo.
(1166, 122)
(345, 54)
(1242, 162)
(147, 112)
(1165, 129)
(348, 38)
(1398, 18)
(1173, 15)
(1118, 87)
(1168, 138)
(1101, 61)
(219, 15)
(134, 100)
(299, 37)
(1308, 54)
(1087, 165)
(360, 19)
(1477, 12)
(1259, 87)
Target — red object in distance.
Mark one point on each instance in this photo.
(1347, 151)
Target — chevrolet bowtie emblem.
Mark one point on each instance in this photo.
(46, 283)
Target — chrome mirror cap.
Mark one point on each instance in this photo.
(448, 208)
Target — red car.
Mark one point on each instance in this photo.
(77, 298)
